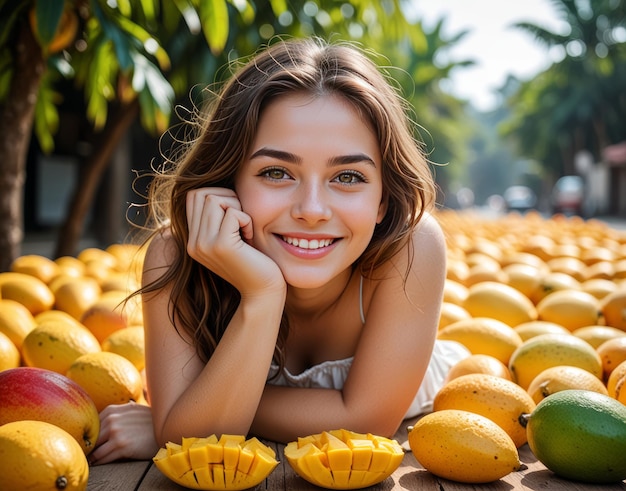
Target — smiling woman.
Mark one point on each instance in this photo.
(295, 273)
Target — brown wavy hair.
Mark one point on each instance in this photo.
(219, 141)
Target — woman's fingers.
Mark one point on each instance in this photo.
(205, 211)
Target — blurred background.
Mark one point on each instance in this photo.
(521, 105)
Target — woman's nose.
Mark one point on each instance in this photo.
(311, 203)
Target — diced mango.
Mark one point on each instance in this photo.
(359, 478)
(173, 448)
(255, 445)
(262, 465)
(302, 441)
(215, 453)
(187, 442)
(198, 456)
(361, 453)
(218, 475)
(230, 462)
(380, 460)
(246, 457)
(318, 470)
(204, 476)
(231, 453)
(341, 478)
(231, 438)
(179, 463)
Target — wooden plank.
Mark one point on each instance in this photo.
(118, 476)
(410, 475)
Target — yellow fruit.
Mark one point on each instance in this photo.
(95, 254)
(70, 266)
(128, 342)
(613, 308)
(119, 281)
(541, 246)
(16, 321)
(57, 315)
(35, 265)
(499, 301)
(37, 455)
(602, 270)
(500, 400)
(454, 292)
(450, 313)
(55, 345)
(77, 295)
(553, 282)
(580, 435)
(523, 277)
(457, 271)
(596, 335)
(612, 352)
(107, 377)
(479, 364)
(26, 289)
(483, 335)
(598, 287)
(483, 272)
(527, 330)
(126, 255)
(111, 312)
(563, 377)
(463, 446)
(549, 350)
(44, 395)
(229, 462)
(342, 459)
(98, 270)
(524, 258)
(571, 266)
(616, 384)
(570, 308)
(9, 354)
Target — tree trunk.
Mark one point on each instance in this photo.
(118, 123)
(16, 122)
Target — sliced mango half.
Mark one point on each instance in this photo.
(343, 459)
(230, 462)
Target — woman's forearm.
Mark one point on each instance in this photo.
(224, 396)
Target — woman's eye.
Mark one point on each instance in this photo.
(350, 178)
(275, 174)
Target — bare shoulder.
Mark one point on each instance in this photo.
(429, 231)
(427, 246)
(160, 254)
(421, 261)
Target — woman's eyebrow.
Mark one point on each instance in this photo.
(295, 159)
(276, 154)
(351, 159)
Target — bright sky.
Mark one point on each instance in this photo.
(497, 49)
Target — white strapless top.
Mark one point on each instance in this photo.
(332, 375)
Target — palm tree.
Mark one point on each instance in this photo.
(578, 103)
(133, 59)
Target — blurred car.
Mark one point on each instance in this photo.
(519, 198)
(568, 195)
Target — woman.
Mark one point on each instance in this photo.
(294, 280)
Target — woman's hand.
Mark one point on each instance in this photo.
(126, 432)
(218, 231)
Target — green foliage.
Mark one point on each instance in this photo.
(577, 103)
(155, 51)
(47, 15)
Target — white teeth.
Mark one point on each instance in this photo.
(308, 244)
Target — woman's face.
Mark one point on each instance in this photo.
(312, 186)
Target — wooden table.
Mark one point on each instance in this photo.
(144, 476)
